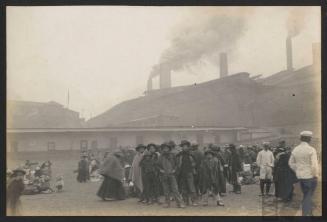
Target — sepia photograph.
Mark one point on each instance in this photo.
(163, 111)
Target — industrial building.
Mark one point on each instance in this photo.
(235, 108)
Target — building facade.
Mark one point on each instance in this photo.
(24, 140)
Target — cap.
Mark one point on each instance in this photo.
(306, 133)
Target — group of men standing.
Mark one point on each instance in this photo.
(186, 175)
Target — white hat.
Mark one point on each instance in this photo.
(306, 133)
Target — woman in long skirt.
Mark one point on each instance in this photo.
(113, 173)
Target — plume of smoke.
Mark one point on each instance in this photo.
(207, 33)
(295, 21)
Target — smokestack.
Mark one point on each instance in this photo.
(223, 65)
(165, 77)
(316, 56)
(149, 84)
(289, 54)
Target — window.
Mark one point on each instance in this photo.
(51, 146)
(84, 145)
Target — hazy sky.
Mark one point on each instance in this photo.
(104, 55)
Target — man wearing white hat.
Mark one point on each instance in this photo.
(304, 162)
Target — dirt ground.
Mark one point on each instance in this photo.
(79, 199)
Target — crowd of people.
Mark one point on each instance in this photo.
(184, 173)
(189, 175)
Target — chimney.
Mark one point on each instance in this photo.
(316, 56)
(289, 54)
(223, 65)
(149, 84)
(165, 77)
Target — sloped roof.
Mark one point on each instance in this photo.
(26, 114)
(217, 102)
(235, 100)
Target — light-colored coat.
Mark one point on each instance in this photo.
(304, 161)
(265, 160)
(135, 174)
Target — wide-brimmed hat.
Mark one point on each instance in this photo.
(171, 143)
(209, 152)
(185, 142)
(118, 153)
(151, 144)
(166, 145)
(18, 170)
(140, 146)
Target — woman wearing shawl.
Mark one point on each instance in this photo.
(135, 172)
(113, 172)
(210, 178)
(221, 163)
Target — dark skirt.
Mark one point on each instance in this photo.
(111, 188)
(284, 183)
(82, 176)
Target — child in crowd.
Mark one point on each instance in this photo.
(59, 184)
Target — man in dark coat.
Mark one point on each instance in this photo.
(167, 167)
(185, 173)
(15, 189)
(198, 157)
(83, 169)
(284, 176)
(150, 175)
(235, 168)
(210, 177)
(226, 155)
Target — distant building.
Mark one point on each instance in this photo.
(25, 114)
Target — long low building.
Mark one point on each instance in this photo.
(49, 139)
